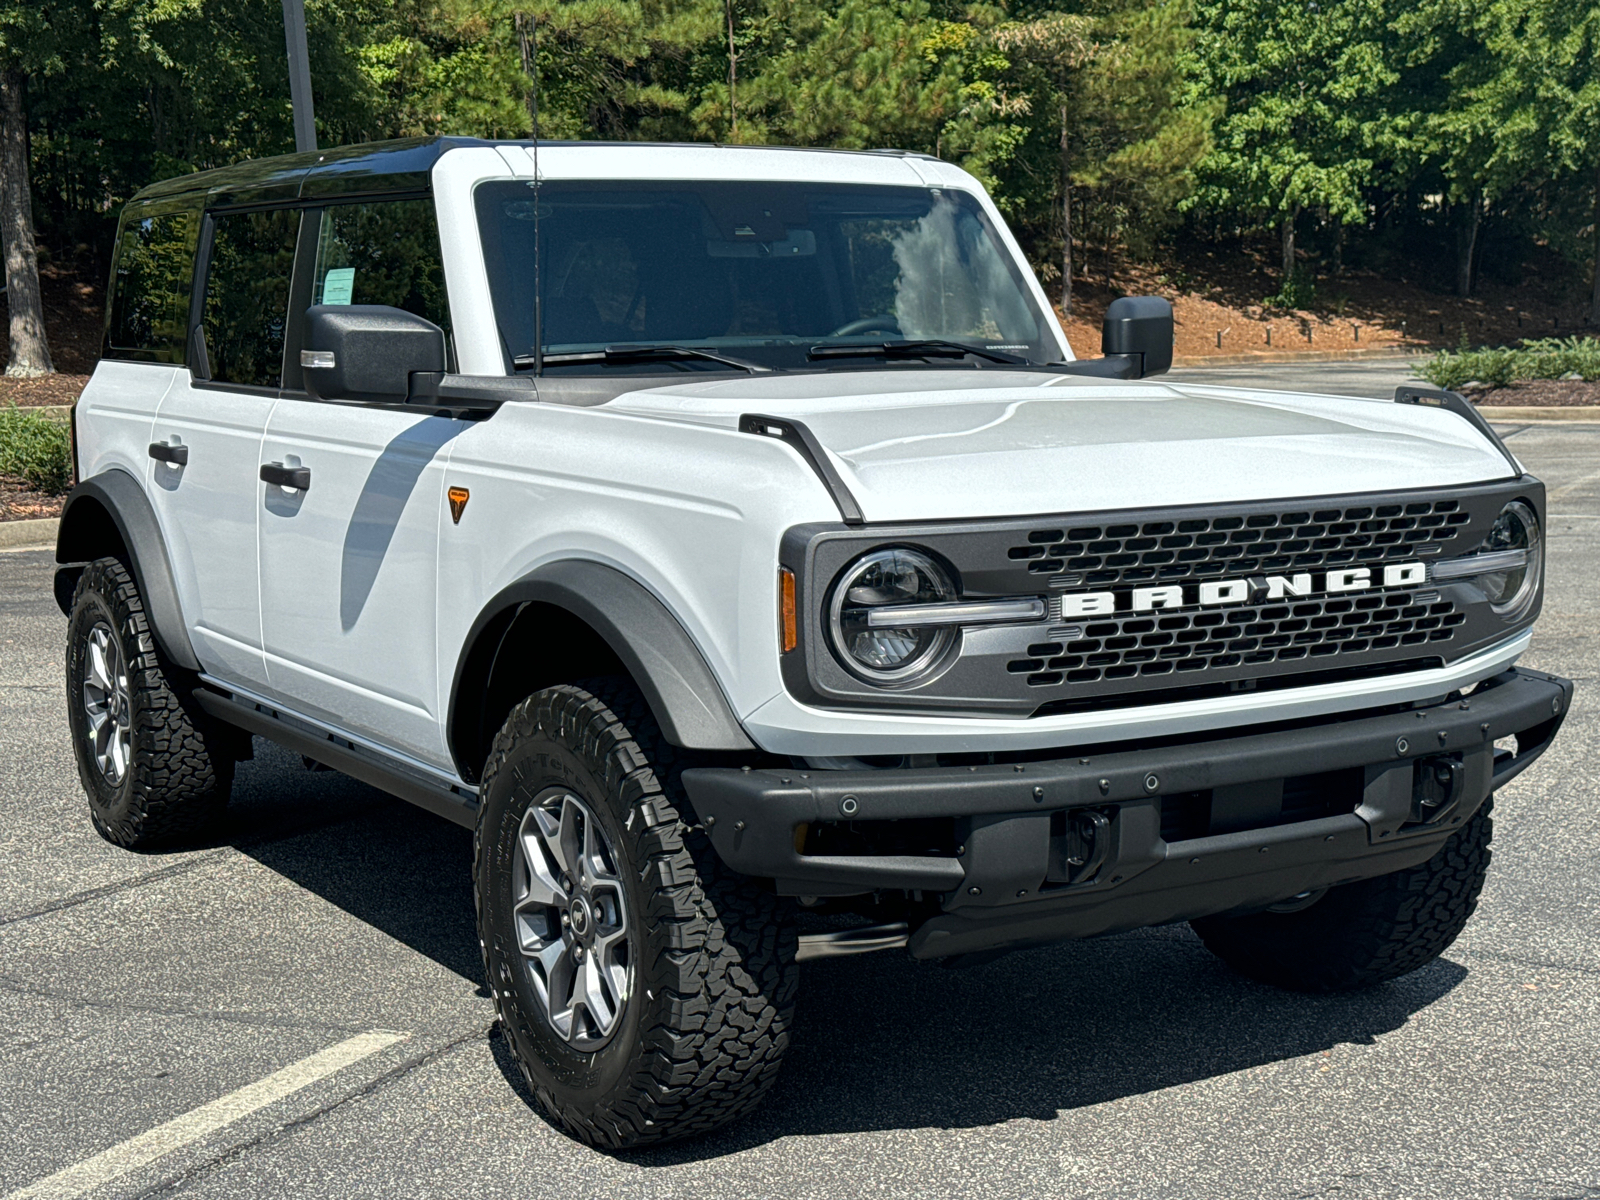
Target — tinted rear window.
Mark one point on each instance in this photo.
(149, 313)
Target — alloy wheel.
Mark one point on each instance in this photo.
(107, 704)
(572, 919)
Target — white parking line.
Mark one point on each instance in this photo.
(207, 1119)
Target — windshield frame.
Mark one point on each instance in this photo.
(1019, 291)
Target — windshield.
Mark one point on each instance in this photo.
(762, 274)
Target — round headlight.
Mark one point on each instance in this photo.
(881, 653)
(1511, 592)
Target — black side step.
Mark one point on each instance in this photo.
(454, 804)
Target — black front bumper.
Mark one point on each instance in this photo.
(1004, 884)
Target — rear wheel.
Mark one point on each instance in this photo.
(153, 765)
(1365, 932)
(645, 990)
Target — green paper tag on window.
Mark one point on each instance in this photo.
(338, 285)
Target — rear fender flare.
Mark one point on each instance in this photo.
(101, 512)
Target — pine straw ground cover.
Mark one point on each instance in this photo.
(1540, 393)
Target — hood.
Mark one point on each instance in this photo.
(942, 444)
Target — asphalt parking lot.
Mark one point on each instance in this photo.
(329, 925)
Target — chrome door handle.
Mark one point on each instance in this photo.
(178, 456)
(298, 478)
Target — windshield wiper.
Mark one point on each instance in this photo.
(919, 348)
(632, 354)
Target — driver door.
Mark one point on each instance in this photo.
(348, 563)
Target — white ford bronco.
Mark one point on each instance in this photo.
(731, 538)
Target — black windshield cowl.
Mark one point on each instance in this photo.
(918, 348)
(635, 354)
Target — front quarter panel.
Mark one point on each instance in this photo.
(694, 513)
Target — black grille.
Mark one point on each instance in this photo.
(1237, 544)
(1148, 644)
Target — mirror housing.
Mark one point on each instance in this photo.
(1140, 328)
(367, 353)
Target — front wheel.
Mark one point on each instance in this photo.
(645, 990)
(1366, 932)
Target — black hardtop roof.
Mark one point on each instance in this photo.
(402, 165)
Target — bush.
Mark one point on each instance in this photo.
(1544, 358)
(36, 450)
(1298, 291)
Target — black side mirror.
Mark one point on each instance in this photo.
(1141, 328)
(367, 353)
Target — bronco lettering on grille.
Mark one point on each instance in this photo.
(1215, 593)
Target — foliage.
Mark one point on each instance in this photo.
(1230, 115)
(1304, 85)
(1299, 291)
(1544, 358)
(34, 448)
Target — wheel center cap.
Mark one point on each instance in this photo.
(579, 916)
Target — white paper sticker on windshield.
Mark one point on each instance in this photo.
(338, 285)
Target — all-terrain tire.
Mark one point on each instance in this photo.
(1365, 932)
(178, 769)
(708, 1010)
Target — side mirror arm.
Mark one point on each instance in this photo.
(1112, 366)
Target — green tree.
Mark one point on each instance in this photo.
(1305, 85)
(37, 39)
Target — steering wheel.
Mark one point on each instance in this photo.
(882, 323)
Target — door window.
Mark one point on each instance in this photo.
(382, 253)
(247, 295)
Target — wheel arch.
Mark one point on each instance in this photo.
(604, 622)
(109, 516)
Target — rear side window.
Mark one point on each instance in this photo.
(149, 311)
(382, 253)
(247, 295)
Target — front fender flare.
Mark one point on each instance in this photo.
(683, 694)
(115, 495)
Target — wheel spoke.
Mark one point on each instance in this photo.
(569, 842)
(538, 884)
(597, 997)
(99, 672)
(119, 757)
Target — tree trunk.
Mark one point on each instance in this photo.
(1594, 306)
(1066, 223)
(1466, 244)
(30, 352)
(1288, 244)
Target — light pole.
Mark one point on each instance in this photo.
(294, 36)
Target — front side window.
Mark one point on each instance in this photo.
(149, 314)
(247, 295)
(765, 272)
(382, 253)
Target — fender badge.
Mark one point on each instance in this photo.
(458, 502)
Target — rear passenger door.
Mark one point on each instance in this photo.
(347, 565)
(143, 354)
(212, 421)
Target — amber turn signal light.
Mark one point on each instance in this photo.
(788, 630)
(458, 502)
